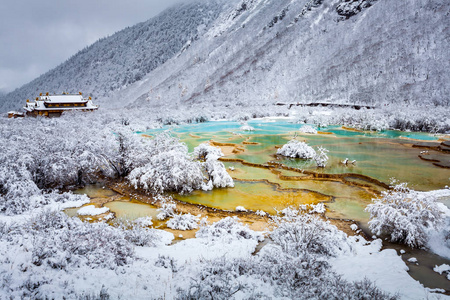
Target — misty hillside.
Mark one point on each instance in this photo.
(114, 62)
(266, 51)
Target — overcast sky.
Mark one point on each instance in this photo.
(38, 35)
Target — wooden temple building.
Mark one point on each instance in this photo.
(54, 105)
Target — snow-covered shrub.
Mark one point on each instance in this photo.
(24, 195)
(364, 119)
(6, 228)
(261, 213)
(41, 257)
(166, 210)
(67, 152)
(241, 209)
(247, 127)
(59, 241)
(297, 233)
(205, 151)
(183, 222)
(405, 216)
(18, 192)
(102, 295)
(169, 168)
(318, 208)
(144, 221)
(130, 151)
(228, 228)
(321, 157)
(427, 119)
(167, 262)
(297, 149)
(138, 233)
(218, 175)
(291, 212)
(308, 129)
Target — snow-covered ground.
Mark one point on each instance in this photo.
(210, 60)
(384, 267)
(91, 210)
(44, 253)
(192, 266)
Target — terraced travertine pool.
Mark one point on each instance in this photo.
(268, 182)
(265, 181)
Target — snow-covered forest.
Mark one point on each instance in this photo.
(215, 60)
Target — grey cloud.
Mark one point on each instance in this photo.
(36, 36)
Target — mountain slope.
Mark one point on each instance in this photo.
(248, 52)
(114, 62)
(263, 52)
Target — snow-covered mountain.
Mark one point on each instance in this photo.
(243, 52)
(312, 50)
(115, 62)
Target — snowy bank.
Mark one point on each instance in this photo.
(91, 210)
(384, 267)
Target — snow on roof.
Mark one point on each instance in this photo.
(63, 98)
